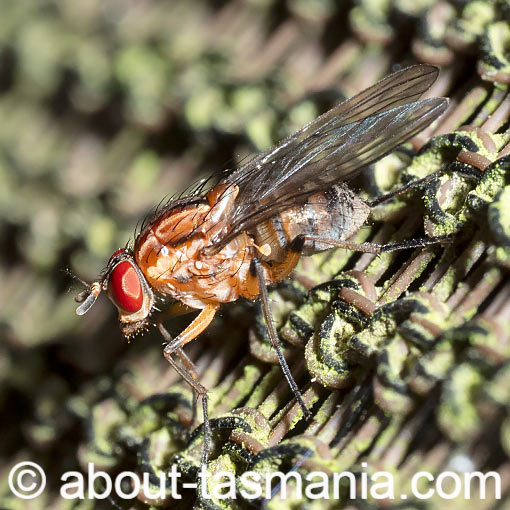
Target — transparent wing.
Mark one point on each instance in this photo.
(334, 147)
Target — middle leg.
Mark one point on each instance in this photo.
(273, 336)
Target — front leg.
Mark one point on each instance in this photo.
(187, 369)
(186, 366)
(197, 326)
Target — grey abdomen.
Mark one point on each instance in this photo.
(336, 214)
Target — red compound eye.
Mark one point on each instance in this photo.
(118, 252)
(125, 287)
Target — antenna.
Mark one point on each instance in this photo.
(87, 298)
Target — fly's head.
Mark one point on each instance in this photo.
(127, 288)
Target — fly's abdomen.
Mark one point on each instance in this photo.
(337, 214)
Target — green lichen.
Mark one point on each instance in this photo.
(475, 16)
(499, 216)
(457, 415)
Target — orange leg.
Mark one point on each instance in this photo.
(197, 326)
(186, 368)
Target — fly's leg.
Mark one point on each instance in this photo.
(273, 336)
(198, 390)
(409, 186)
(175, 310)
(383, 248)
(190, 366)
(187, 370)
(197, 326)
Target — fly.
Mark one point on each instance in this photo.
(250, 229)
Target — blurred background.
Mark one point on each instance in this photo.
(108, 107)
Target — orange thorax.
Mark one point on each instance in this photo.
(175, 264)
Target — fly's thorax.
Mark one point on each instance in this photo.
(175, 238)
(172, 252)
(187, 273)
(185, 219)
(221, 198)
